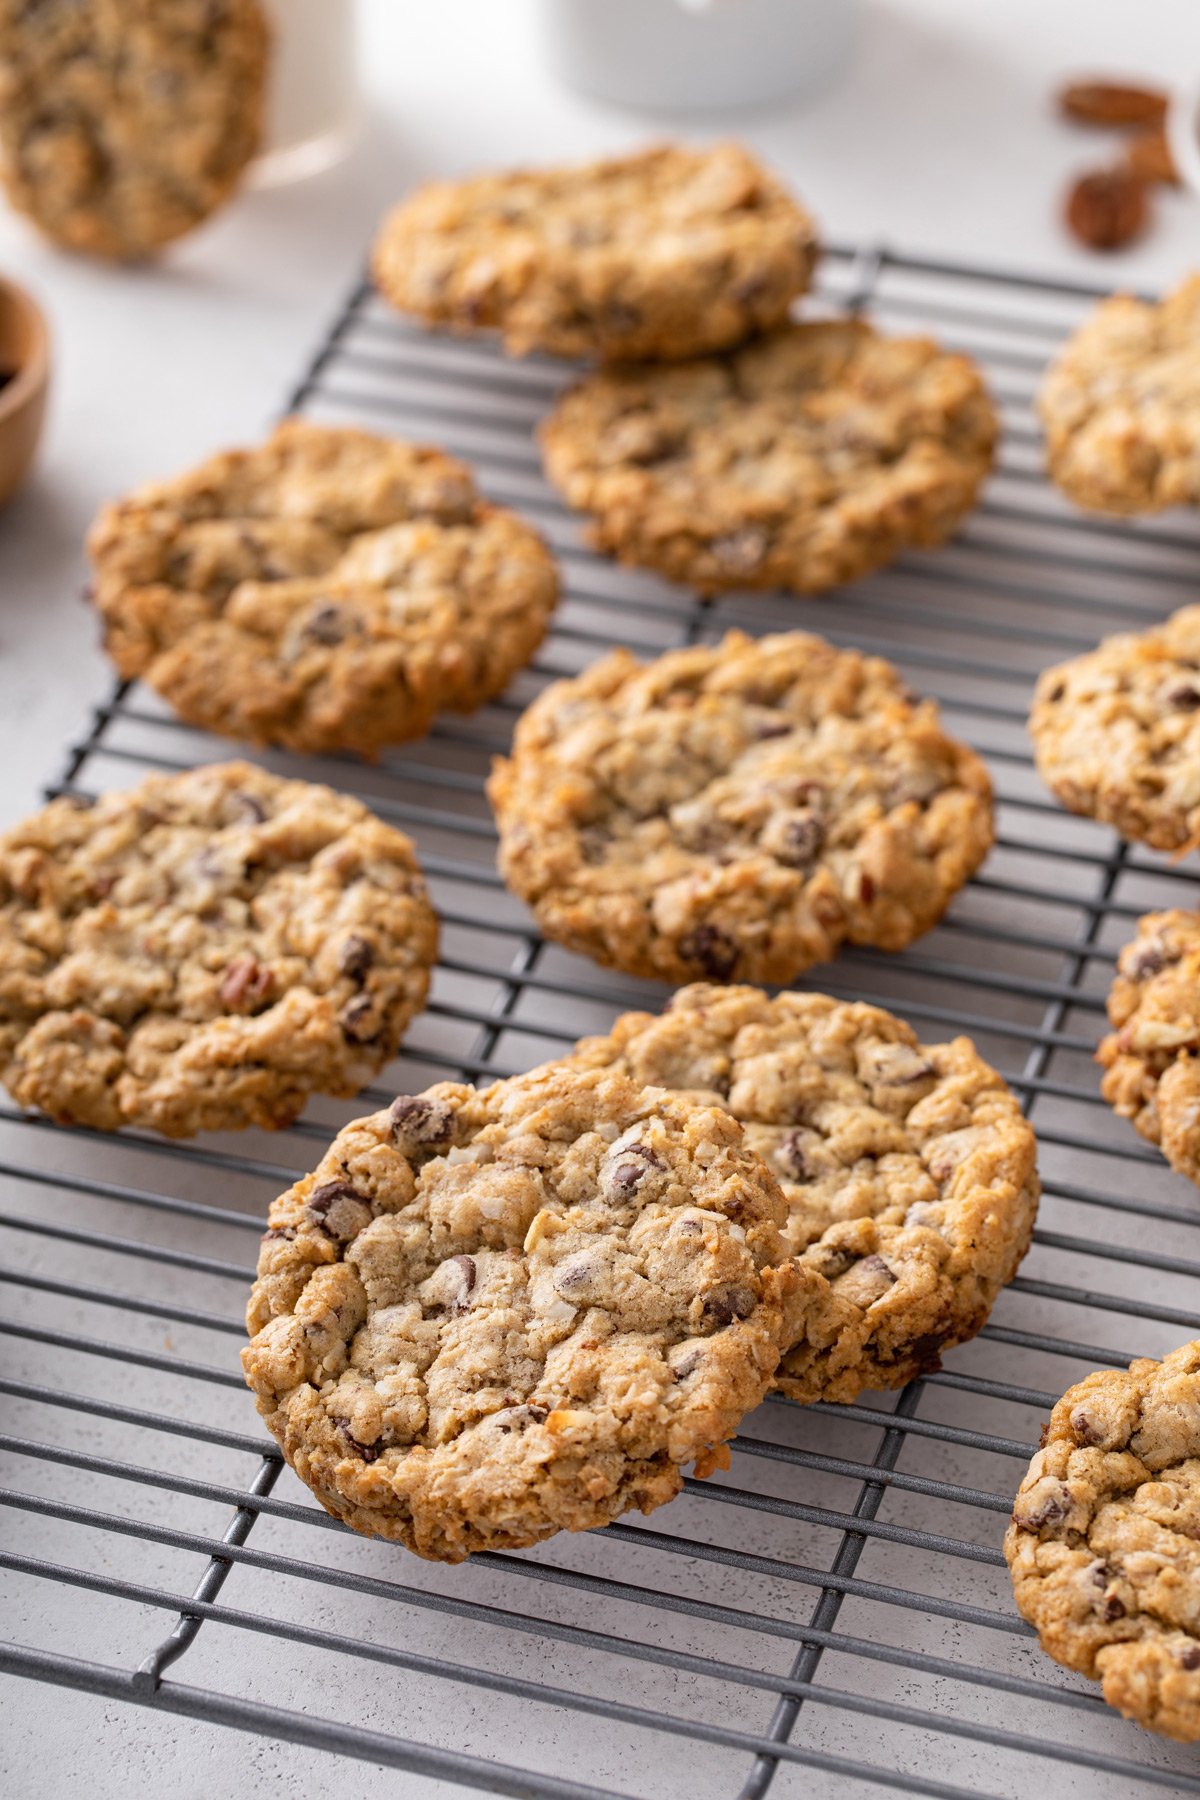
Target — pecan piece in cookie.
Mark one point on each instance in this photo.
(1116, 732)
(737, 811)
(326, 590)
(1104, 1545)
(908, 1170)
(667, 253)
(803, 459)
(1151, 1058)
(174, 957)
(475, 1348)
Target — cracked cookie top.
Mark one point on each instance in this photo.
(205, 951)
(737, 810)
(1104, 1545)
(326, 590)
(1121, 405)
(488, 1316)
(124, 124)
(908, 1169)
(804, 459)
(1116, 732)
(1151, 1057)
(667, 253)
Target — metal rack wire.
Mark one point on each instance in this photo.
(835, 1607)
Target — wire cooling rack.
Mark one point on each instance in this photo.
(834, 1609)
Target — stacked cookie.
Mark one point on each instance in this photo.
(489, 1316)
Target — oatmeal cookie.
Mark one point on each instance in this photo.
(205, 951)
(125, 123)
(909, 1172)
(1116, 732)
(1152, 1056)
(1104, 1545)
(737, 810)
(490, 1316)
(804, 459)
(328, 590)
(1121, 406)
(667, 253)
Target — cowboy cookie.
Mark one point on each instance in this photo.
(804, 459)
(1121, 406)
(329, 590)
(666, 253)
(490, 1316)
(908, 1170)
(124, 124)
(1116, 732)
(205, 951)
(1152, 1074)
(1104, 1545)
(737, 810)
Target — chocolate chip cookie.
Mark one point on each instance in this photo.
(490, 1316)
(125, 123)
(666, 253)
(737, 810)
(1116, 733)
(1121, 406)
(803, 459)
(328, 590)
(1151, 1056)
(1104, 1545)
(909, 1172)
(205, 951)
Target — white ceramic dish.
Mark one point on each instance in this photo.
(697, 54)
(314, 106)
(1183, 135)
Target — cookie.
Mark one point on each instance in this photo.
(667, 253)
(909, 1172)
(1152, 1074)
(490, 1316)
(804, 459)
(1121, 406)
(205, 951)
(737, 810)
(328, 590)
(125, 123)
(1116, 733)
(1104, 1545)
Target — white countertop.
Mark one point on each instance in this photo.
(941, 138)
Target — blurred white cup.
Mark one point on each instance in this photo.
(681, 54)
(1183, 135)
(314, 101)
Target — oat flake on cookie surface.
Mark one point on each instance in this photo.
(1116, 732)
(801, 460)
(669, 252)
(737, 810)
(205, 951)
(489, 1316)
(1104, 1545)
(326, 590)
(908, 1169)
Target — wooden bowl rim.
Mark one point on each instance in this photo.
(33, 372)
